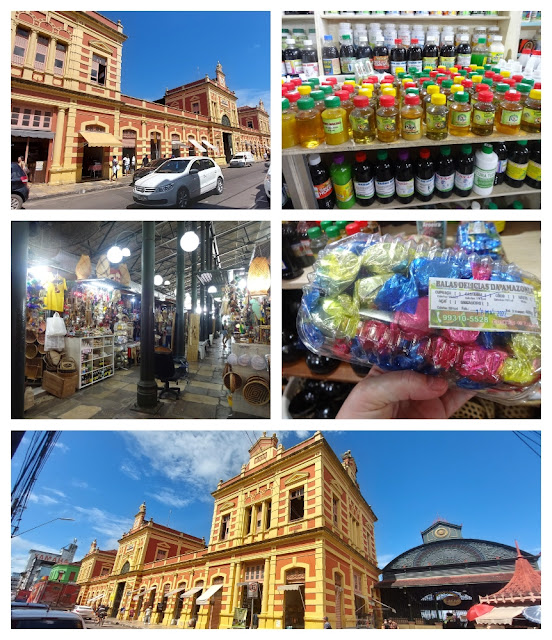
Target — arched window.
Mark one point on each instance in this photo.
(126, 567)
(226, 121)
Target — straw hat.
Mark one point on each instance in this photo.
(232, 381)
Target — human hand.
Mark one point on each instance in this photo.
(402, 394)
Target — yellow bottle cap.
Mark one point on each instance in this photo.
(477, 79)
(433, 88)
(441, 67)
(505, 74)
(453, 69)
(304, 90)
(350, 82)
(389, 91)
(386, 85)
(438, 98)
(535, 94)
(456, 87)
(473, 67)
(366, 91)
(457, 80)
(399, 70)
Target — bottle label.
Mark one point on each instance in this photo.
(298, 249)
(495, 57)
(516, 171)
(333, 125)
(463, 181)
(412, 126)
(386, 188)
(323, 190)
(360, 125)
(436, 121)
(294, 67)
(430, 62)
(306, 247)
(332, 66)
(414, 65)
(344, 192)
(502, 166)
(483, 118)
(531, 116)
(364, 190)
(484, 178)
(405, 188)
(395, 65)
(448, 61)
(310, 69)
(534, 170)
(460, 118)
(347, 65)
(386, 123)
(511, 118)
(425, 187)
(444, 183)
(381, 63)
(463, 60)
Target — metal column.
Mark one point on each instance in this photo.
(202, 248)
(19, 247)
(194, 272)
(179, 348)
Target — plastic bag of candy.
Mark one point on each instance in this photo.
(402, 305)
(479, 237)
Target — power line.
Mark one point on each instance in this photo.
(525, 443)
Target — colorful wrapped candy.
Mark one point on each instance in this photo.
(405, 306)
(480, 238)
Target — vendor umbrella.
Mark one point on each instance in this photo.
(478, 610)
(533, 614)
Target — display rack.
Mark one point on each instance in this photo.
(94, 357)
(294, 160)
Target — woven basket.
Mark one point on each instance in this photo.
(227, 369)
(258, 277)
(475, 409)
(30, 351)
(30, 335)
(102, 267)
(41, 349)
(232, 381)
(66, 366)
(256, 392)
(41, 337)
(516, 412)
(33, 368)
(83, 268)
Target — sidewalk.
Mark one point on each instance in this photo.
(40, 191)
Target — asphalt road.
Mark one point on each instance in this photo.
(243, 189)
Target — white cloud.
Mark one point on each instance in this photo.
(62, 447)
(130, 471)
(385, 558)
(250, 97)
(80, 484)
(41, 498)
(56, 492)
(108, 525)
(168, 497)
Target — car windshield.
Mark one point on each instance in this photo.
(46, 623)
(174, 166)
(239, 156)
(156, 163)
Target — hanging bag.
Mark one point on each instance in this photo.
(55, 327)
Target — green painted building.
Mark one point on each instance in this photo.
(64, 573)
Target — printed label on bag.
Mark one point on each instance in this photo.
(484, 178)
(531, 116)
(463, 181)
(412, 126)
(444, 183)
(460, 118)
(344, 192)
(323, 190)
(534, 170)
(483, 118)
(430, 62)
(511, 118)
(405, 188)
(332, 66)
(310, 69)
(333, 125)
(347, 65)
(516, 171)
(482, 305)
(386, 188)
(425, 187)
(477, 226)
(294, 67)
(385, 123)
(364, 190)
(436, 121)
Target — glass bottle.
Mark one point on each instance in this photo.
(404, 178)
(533, 177)
(364, 50)
(508, 114)
(318, 240)
(431, 89)
(383, 178)
(292, 242)
(516, 169)
(463, 52)
(342, 178)
(330, 57)
(447, 56)
(444, 173)
(436, 117)
(336, 130)
(318, 97)
(411, 118)
(387, 120)
(483, 115)
(309, 124)
(459, 117)
(480, 52)
(524, 90)
(290, 137)
(363, 180)
(332, 233)
(431, 53)
(502, 154)
(531, 116)
(292, 57)
(397, 56)
(321, 182)
(302, 229)
(381, 57)
(347, 104)
(465, 168)
(424, 182)
(499, 91)
(363, 120)
(347, 55)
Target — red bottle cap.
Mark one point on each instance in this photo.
(433, 74)
(387, 79)
(485, 96)
(360, 156)
(512, 96)
(293, 96)
(424, 153)
(348, 87)
(331, 80)
(372, 79)
(468, 84)
(412, 99)
(352, 228)
(387, 101)
(361, 101)
(409, 85)
(517, 78)
(489, 74)
(481, 87)
(342, 95)
(296, 81)
(537, 85)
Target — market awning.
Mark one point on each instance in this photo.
(175, 591)
(208, 144)
(96, 598)
(197, 145)
(191, 592)
(32, 133)
(500, 615)
(290, 587)
(373, 600)
(100, 139)
(205, 597)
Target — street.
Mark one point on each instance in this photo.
(243, 189)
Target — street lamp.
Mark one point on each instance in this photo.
(41, 525)
(189, 241)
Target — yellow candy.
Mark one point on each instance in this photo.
(342, 316)
(518, 371)
(367, 289)
(340, 265)
(384, 257)
(526, 345)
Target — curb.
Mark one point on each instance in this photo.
(80, 190)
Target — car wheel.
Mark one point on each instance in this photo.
(220, 186)
(16, 201)
(182, 198)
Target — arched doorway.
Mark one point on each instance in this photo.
(94, 158)
(227, 139)
(155, 145)
(179, 602)
(194, 609)
(294, 599)
(338, 601)
(129, 143)
(117, 600)
(175, 145)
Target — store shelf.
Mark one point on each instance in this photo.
(406, 18)
(303, 18)
(470, 138)
(343, 373)
(525, 25)
(297, 283)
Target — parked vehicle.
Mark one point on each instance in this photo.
(19, 186)
(23, 618)
(144, 171)
(28, 605)
(177, 182)
(242, 159)
(85, 611)
(267, 184)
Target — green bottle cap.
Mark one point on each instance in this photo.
(528, 81)
(487, 81)
(516, 204)
(522, 142)
(487, 148)
(461, 96)
(325, 224)
(326, 89)
(350, 78)
(314, 81)
(522, 87)
(305, 103)
(314, 233)
(382, 154)
(446, 84)
(332, 232)
(466, 148)
(332, 102)
(487, 67)
(492, 205)
(496, 69)
(341, 224)
(501, 87)
(463, 72)
(317, 95)
(445, 151)
(285, 104)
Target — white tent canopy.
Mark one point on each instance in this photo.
(205, 597)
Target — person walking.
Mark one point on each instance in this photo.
(327, 624)
(133, 163)
(114, 168)
(102, 613)
(22, 164)
(147, 616)
(224, 335)
(145, 161)
(126, 165)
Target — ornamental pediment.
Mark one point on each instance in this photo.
(296, 477)
(226, 506)
(98, 44)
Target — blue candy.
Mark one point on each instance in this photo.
(398, 294)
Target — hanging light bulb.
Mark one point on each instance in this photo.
(126, 252)
(187, 301)
(241, 284)
(167, 282)
(212, 289)
(189, 241)
(158, 280)
(115, 255)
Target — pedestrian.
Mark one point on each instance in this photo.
(145, 161)
(21, 162)
(133, 163)
(255, 621)
(114, 168)
(327, 624)
(450, 622)
(393, 624)
(385, 624)
(147, 615)
(122, 612)
(126, 165)
(224, 335)
(102, 613)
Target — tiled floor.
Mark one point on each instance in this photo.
(202, 396)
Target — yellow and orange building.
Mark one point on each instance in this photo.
(69, 117)
(292, 541)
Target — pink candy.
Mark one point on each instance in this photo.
(444, 354)
(462, 337)
(480, 364)
(414, 324)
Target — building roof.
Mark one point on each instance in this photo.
(524, 585)
(442, 581)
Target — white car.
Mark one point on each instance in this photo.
(85, 611)
(267, 184)
(177, 182)
(243, 159)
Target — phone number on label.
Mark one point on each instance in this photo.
(465, 318)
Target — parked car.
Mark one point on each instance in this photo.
(28, 605)
(85, 611)
(243, 159)
(266, 184)
(144, 171)
(179, 181)
(22, 618)
(19, 186)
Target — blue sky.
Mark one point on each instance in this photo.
(488, 481)
(166, 49)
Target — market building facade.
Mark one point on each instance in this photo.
(69, 117)
(292, 541)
